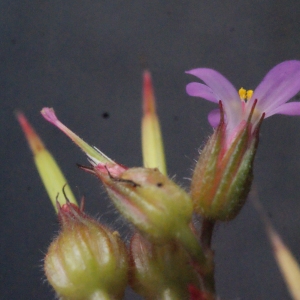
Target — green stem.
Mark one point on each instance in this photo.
(205, 238)
(189, 241)
(203, 260)
(206, 233)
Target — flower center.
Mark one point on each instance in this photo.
(245, 95)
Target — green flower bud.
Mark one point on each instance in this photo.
(223, 174)
(158, 207)
(150, 200)
(86, 260)
(160, 271)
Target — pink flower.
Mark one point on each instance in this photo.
(223, 174)
(279, 86)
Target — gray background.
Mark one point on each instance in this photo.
(85, 59)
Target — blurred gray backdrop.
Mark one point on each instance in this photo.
(85, 59)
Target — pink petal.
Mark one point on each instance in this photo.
(223, 90)
(197, 89)
(278, 86)
(220, 86)
(214, 117)
(290, 109)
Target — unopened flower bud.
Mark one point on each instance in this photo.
(223, 174)
(150, 200)
(86, 260)
(157, 206)
(160, 271)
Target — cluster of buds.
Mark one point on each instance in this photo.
(168, 256)
(159, 208)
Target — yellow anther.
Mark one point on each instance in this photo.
(242, 93)
(245, 95)
(249, 94)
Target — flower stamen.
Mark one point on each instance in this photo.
(249, 94)
(245, 95)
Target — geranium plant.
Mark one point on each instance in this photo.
(168, 256)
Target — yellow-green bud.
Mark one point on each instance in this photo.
(223, 174)
(158, 207)
(150, 200)
(86, 261)
(160, 271)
